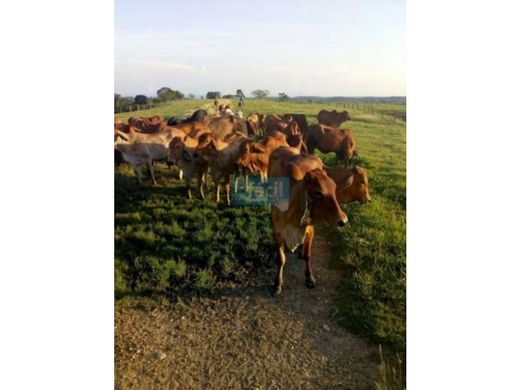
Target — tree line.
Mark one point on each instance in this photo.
(166, 94)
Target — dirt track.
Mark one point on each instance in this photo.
(245, 339)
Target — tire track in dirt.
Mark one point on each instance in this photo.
(245, 339)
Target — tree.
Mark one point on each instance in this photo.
(213, 95)
(228, 96)
(141, 99)
(191, 96)
(260, 93)
(117, 98)
(283, 97)
(166, 94)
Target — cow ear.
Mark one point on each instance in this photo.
(347, 182)
(122, 135)
(295, 172)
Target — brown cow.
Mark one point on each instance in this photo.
(183, 153)
(222, 157)
(149, 125)
(192, 129)
(312, 200)
(329, 139)
(222, 126)
(351, 184)
(333, 118)
(255, 155)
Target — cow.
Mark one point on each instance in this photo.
(312, 200)
(197, 116)
(222, 156)
(301, 119)
(222, 126)
(140, 149)
(150, 125)
(330, 139)
(254, 156)
(192, 129)
(183, 153)
(333, 118)
(351, 184)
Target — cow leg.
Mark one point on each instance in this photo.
(280, 262)
(310, 282)
(138, 172)
(236, 182)
(228, 189)
(217, 191)
(150, 169)
(188, 187)
(201, 184)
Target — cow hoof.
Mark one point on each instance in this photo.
(310, 284)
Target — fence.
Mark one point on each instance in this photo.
(138, 107)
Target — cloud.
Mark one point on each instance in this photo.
(204, 69)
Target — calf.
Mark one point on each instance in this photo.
(183, 153)
(312, 200)
(222, 158)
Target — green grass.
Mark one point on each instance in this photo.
(165, 243)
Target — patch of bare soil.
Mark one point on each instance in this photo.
(245, 339)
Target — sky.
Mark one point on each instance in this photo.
(300, 47)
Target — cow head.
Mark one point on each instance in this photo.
(321, 204)
(176, 150)
(344, 116)
(206, 147)
(348, 148)
(353, 187)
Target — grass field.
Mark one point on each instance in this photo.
(166, 244)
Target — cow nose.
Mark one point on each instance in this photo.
(343, 221)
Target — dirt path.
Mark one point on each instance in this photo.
(245, 339)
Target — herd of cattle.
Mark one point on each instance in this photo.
(224, 144)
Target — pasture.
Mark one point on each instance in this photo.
(168, 246)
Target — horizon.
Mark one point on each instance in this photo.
(248, 46)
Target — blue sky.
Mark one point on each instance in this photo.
(325, 48)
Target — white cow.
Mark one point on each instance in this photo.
(140, 149)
